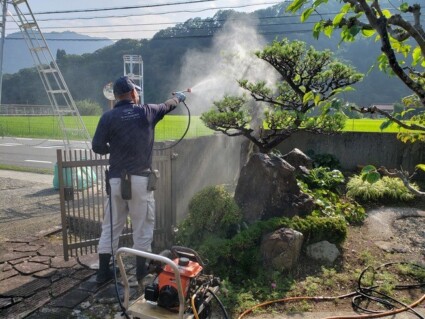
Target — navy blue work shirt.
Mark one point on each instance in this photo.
(127, 133)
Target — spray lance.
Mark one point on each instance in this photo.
(185, 91)
(188, 121)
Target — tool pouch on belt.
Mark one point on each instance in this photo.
(125, 185)
(153, 179)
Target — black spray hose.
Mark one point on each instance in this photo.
(220, 303)
(124, 311)
(184, 134)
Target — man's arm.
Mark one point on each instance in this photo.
(172, 103)
(100, 139)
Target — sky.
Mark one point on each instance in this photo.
(124, 19)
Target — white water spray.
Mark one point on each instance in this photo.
(213, 73)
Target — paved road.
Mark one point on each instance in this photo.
(32, 153)
(28, 204)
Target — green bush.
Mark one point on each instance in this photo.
(88, 107)
(324, 178)
(212, 211)
(324, 160)
(242, 250)
(322, 184)
(385, 189)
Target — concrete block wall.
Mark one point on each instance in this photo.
(212, 160)
(354, 149)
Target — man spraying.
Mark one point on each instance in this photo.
(126, 133)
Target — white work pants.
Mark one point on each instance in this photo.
(140, 208)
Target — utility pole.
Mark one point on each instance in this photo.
(3, 34)
(133, 68)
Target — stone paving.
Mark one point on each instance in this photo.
(36, 282)
(35, 279)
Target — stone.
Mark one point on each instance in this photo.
(47, 273)
(323, 251)
(5, 267)
(8, 274)
(59, 262)
(31, 304)
(281, 249)
(5, 302)
(28, 268)
(22, 286)
(108, 294)
(12, 256)
(267, 188)
(70, 299)
(27, 248)
(90, 284)
(40, 259)
(83, 274)
(299, 160)
(51, 250)
(62, 273)
(90, 261)
(23, 239)
(62, 285)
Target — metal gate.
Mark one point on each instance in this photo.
(81, 183)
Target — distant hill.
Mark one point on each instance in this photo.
(205, 54)
(17, 55)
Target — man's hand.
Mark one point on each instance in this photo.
(180, 96)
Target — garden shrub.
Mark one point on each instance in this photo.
(385, 189)
(323, 177)
(324, 160)
(242, 250)
(211, 211)
(212, 227)
(322, 185)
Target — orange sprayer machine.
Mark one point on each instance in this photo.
(179, 290)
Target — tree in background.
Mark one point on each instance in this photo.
(392, 29)
(402, 40)
(303, 99)
(88, 107)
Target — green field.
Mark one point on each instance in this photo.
(369, 125)
(171, 128)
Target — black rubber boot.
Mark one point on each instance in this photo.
(104, 273)
(141, 269)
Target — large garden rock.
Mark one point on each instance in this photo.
(267, 188)
(298, 160)
(323, 251)
(281, 249)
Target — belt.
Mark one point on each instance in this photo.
(144, 174)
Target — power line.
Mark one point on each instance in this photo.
(204, 21)
(125, 8)
(159, 13)
(180, 23)
(171, 37)
(210, 20)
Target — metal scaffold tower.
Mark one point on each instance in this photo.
(70, 122)
(133, 68)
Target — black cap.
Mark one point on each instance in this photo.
(124, 85)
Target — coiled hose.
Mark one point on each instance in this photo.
(362, 293)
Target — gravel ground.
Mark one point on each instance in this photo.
(28, 204)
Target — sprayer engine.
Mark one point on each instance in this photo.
(164, 290)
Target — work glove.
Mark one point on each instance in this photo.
(180, 96)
